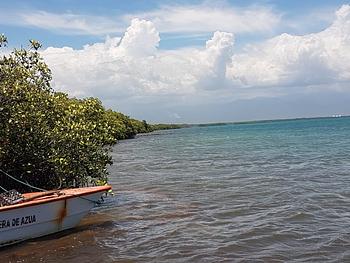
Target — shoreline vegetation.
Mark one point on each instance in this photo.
(261, 121)
(49, 139)
(53, 141)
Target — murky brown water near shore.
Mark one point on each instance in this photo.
(277, 192)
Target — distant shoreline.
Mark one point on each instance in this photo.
(260, 121)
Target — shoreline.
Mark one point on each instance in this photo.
(264, 121)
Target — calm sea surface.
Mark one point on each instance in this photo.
(277, 191)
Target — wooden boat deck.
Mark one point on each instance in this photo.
(52, 196)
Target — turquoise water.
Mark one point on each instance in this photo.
(271, 191)
(276, 191)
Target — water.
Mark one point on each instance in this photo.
(276, 191)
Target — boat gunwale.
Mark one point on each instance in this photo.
(67, 195)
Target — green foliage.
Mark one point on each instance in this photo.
(46, 138)
(24, 102)
(155, 127)
(141, 126)
(3, 40)
(121, 126)
(49, 139)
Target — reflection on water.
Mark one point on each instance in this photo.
(66, 246)
(268, 192)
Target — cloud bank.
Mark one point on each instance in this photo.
(211, 17)
(287, 60)
(132, 70)
(185, 19)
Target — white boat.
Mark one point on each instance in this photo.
(44, 213)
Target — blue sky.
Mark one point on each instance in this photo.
(19, 34)
(170, 61)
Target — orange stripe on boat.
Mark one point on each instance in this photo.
(63, 194)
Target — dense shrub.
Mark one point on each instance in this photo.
(47, 138)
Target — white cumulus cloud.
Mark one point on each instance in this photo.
(286, 60)
(133, 66)
(131, 70)
(140, 39)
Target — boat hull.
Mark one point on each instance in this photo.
(44, 217)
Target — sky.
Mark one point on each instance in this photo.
(193, 61)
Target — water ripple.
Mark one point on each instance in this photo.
(270, 192)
